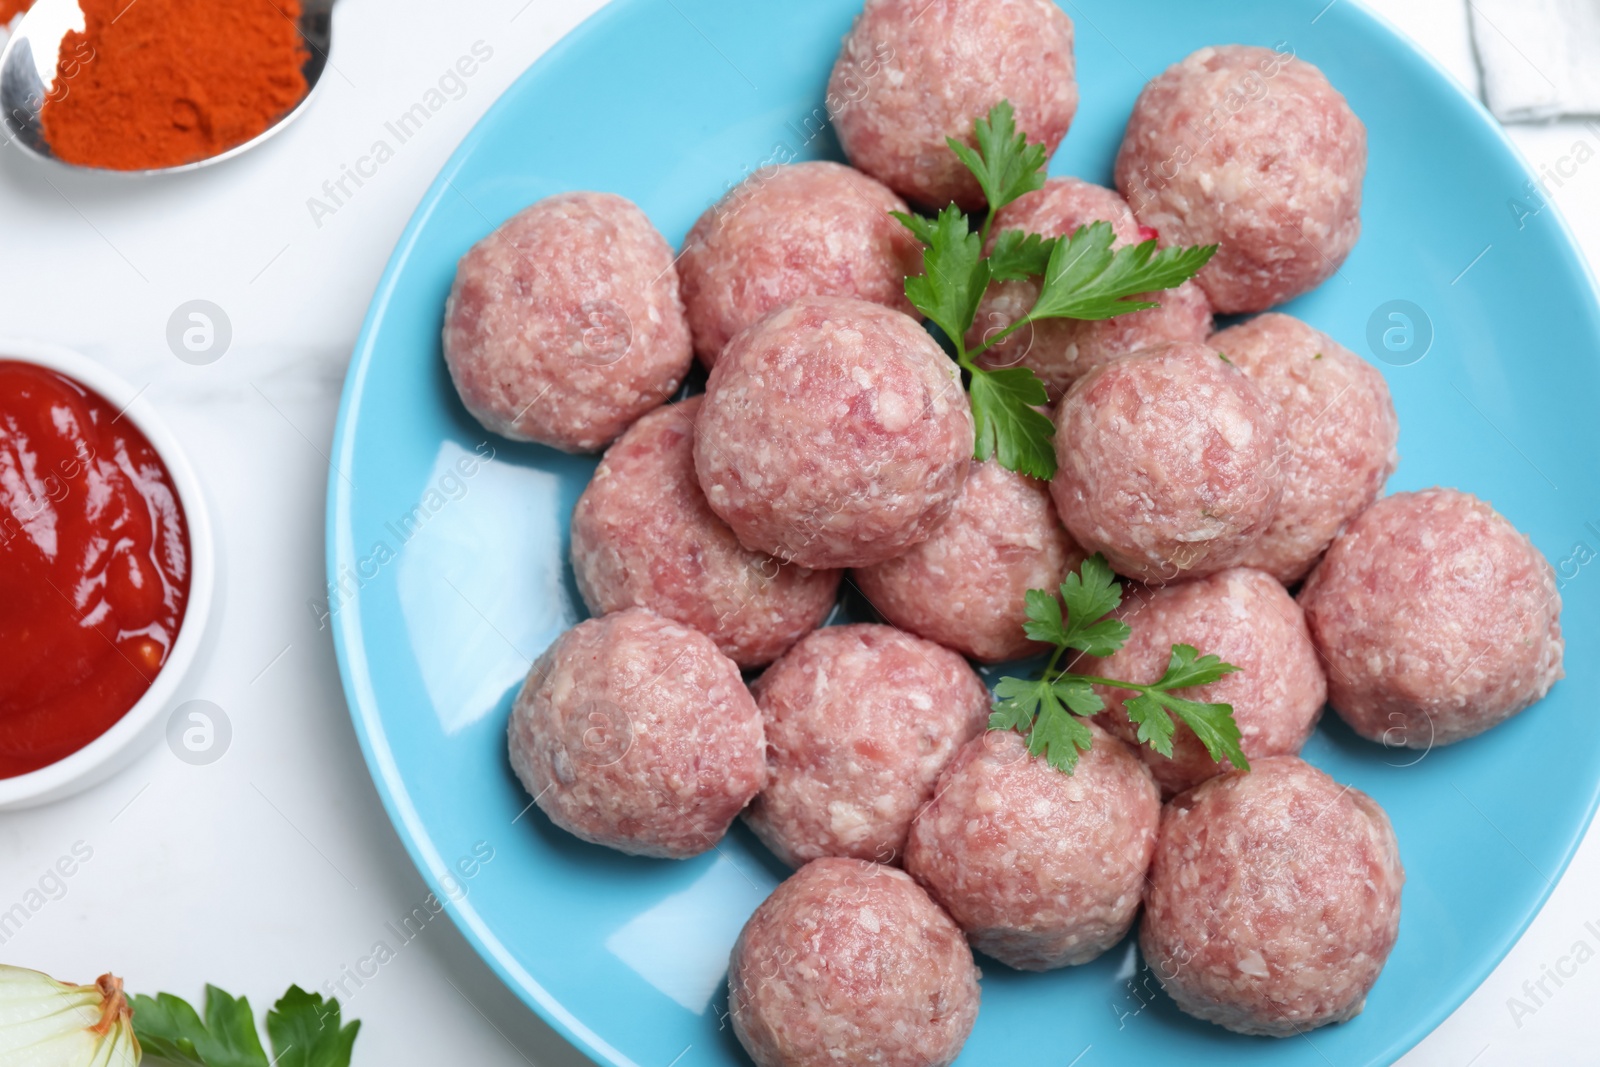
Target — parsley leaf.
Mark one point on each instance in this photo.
(1046, 710)
(1085, 279)
(1019, 255)
(921, 228)
(1046, 714)
(955, 274)
(1089, 594)
(1213, 724)
(1081, 278)
(1004, 163)
(305, 1031)
(1044, 617)
(1016, 703)
(1155, 725)
(1007, 423)
(1058, 734)
(170, 1029)
(1079, 696)
(1188, 668)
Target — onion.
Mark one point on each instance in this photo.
(46, 1023)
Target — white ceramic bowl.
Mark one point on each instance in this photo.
(134, 732)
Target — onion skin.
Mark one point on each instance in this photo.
(46, 1023)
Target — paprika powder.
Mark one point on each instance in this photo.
(173, 81)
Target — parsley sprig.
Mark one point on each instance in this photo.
(305, 1031)
(1049, 710)
(1082, 277)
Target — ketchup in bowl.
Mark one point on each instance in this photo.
(94, 566)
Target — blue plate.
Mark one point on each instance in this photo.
(447, 548)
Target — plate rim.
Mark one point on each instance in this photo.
(349, 642)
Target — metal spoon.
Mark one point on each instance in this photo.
(28, 68)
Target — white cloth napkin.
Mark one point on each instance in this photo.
(1540, 58)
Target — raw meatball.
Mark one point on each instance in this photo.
(1251, 149)
(1339, 429)
(644, 537)
(1165, 463)
(564, 325)
(1249, 620)
(1060, 351)
(913, 72)
(634, 732)
(848, 962)
(1438, 619)
(835, 433)
(786, 232)
(860, 721)
(964, 587)
(1041, 869)
(1274, 899)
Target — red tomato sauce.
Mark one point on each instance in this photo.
(94, 566)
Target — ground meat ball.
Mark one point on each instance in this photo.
(1339, 427)
(964, 587)
(1249, 620)
(564, 325)
(835, 433)
(1165, 463)
(636, 733)
(786, 232)
(914, 72)
(1274, 899)
(1437, 618)
(1251, 149)
(1041, 869)
(1060, 351)
(644, 537)
(860, 721)
(848, 962)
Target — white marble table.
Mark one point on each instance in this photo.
(277, 865)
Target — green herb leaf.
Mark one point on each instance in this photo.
(1058, 735)
(169, 1029)
(304, 1029)
(1155, 725)
(1213, 724)
(1082, 278)
(1089, 594)
(158, 1027)
(1006, 422)
(1046, 714)
(1016, 703)
(1085, 279)
(1046, 710)
(1004, 163)
(1019, 255)
(306, 1032)
(1079, 696)
(1044, 618)
(921, 228)
(1188, 668)
(954, 275)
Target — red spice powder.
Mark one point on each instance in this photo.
(10, 9)
(169, 82)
